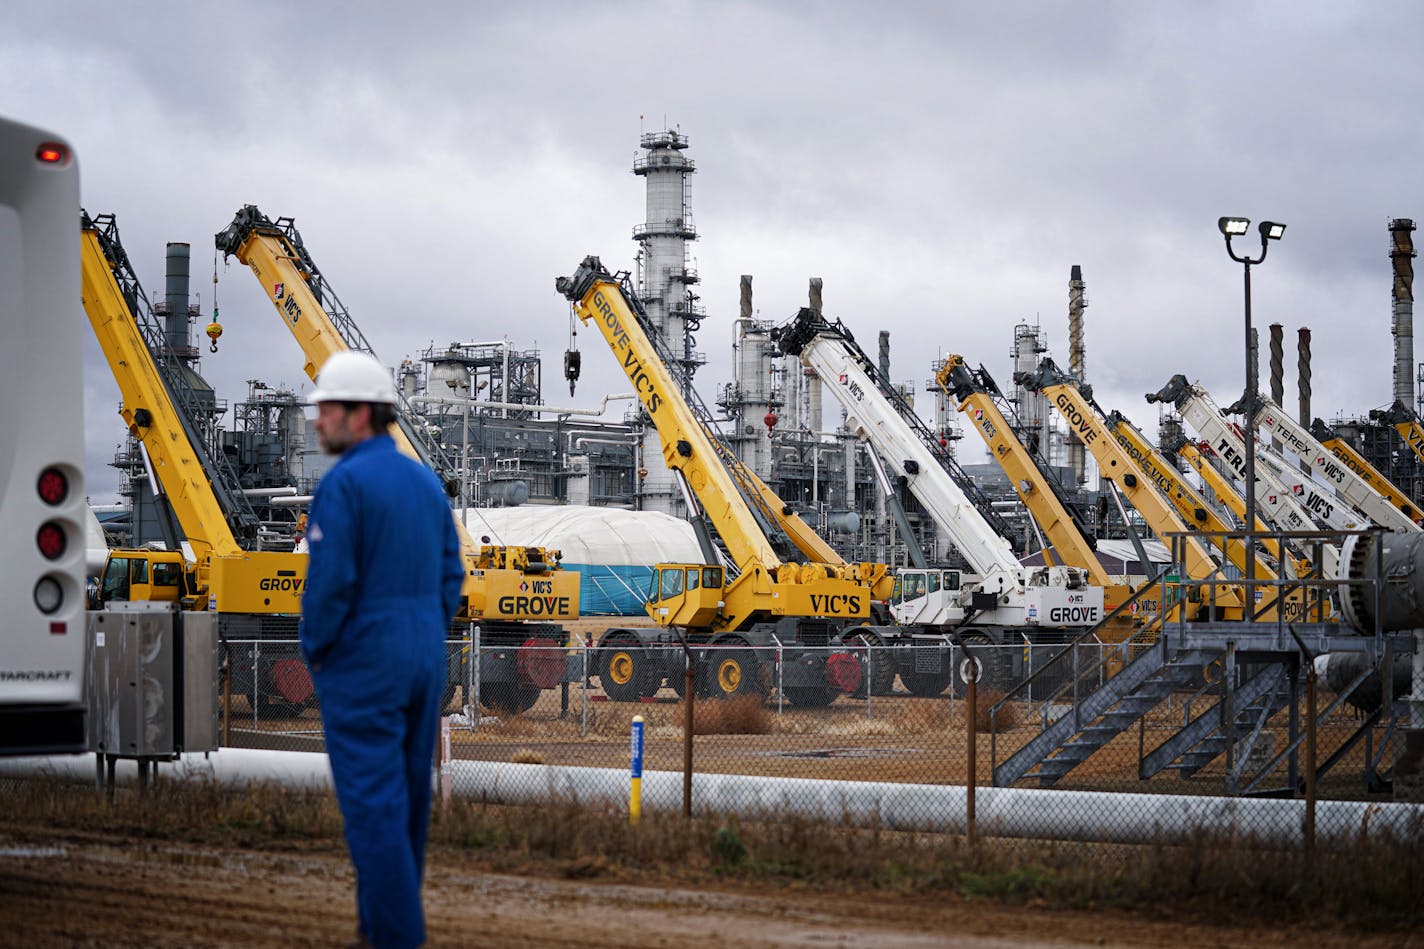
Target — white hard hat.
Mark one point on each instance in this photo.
(351, 376)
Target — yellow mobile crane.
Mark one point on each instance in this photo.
(1191, 506)
(1198, 456)
(1061, 526)
(1406, 423)
(774, 613)
(255, 594)
(516, 594)
(1115, 462)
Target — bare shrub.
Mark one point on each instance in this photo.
(740, 715)
(984, 702)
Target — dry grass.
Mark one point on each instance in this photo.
(1374, 884)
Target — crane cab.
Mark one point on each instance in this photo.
(921, 596)
(142, 575)
(685, 594)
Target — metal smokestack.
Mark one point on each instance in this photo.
(746, 310)
(813, 381)
(1278, 380)
(1401, 256)
(1077, 361)
(884, 355)
(1302, 348)
(175, 294)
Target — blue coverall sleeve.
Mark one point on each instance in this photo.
(452, 577)
(330, 591)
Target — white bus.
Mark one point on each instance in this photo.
(42, 623)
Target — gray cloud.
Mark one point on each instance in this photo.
(941, 166)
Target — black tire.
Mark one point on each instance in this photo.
(996, 667)
(727, 673)
(811, 696)
(869, 647)
(509, 698)
(625, 669)
(926, 685)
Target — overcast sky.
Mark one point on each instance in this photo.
(940, 165)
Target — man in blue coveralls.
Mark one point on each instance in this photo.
(382, 585)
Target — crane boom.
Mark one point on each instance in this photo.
(1038, 492)
(148, 407)
(830, 351)
(1349, 485)
(1277, 502)
(1364, 470)
(1086, 421)
(768, 584)
(498, 580)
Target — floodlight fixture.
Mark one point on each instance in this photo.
(1271, 231)
(1233, 226)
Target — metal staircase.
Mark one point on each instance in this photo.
(1100, 715)
(1203, 738)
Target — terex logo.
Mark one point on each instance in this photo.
(286, 584)
(835, 604)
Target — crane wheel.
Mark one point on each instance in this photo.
(729, 672)
(625, 668)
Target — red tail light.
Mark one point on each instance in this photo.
(51, 540)
(53, 487)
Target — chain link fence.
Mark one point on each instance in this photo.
(929, 737)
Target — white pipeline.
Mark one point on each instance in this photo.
(1000, 812)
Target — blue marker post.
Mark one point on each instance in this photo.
(635, 769)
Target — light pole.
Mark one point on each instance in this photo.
(1270, 231)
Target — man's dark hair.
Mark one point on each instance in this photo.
(383, 416)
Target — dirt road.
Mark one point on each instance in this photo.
(67, 888)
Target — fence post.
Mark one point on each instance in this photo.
(690, 693)
(971, 681)
(1310, 766)
(869, 675)
(475, 677)
(583, 726)
(446, 767)
(227, 696)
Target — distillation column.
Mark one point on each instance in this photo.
(752, 399)
(665, 281)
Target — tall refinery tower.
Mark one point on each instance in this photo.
(666, 278)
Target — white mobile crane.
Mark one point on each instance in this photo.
(1350, 486)
(42, 479)
(1287, 500)
(764, 612)
(1001, 600)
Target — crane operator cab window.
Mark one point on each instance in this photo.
(115, 585)
(671, 584)
(909, 585)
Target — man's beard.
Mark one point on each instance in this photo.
(337, 442)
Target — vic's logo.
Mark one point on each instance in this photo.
(279, 290)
